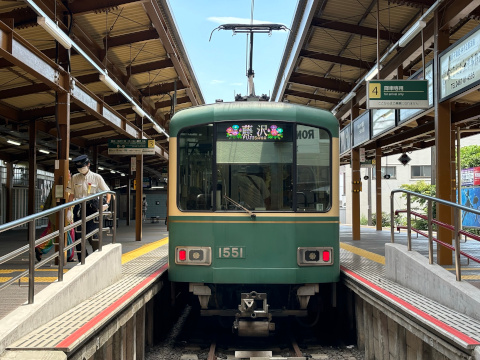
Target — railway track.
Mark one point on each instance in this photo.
(195, 338)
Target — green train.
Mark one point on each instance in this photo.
(253, 210)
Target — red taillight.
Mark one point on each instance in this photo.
(182, 255)
(326, 256)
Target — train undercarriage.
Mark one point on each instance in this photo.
(254, 307)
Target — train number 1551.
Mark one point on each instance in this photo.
(231, 252)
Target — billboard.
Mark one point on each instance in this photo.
(470, 198)
(471, 176)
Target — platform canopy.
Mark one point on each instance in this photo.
(332, 49)
(119, 61)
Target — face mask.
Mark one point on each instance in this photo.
(83, 170)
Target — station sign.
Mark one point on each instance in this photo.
(131, 147)
(361, 129)
(460, 65)
(397, 94)
(345, 139)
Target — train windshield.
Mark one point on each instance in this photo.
(258, 166)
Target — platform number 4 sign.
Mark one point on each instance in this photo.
(374, 90)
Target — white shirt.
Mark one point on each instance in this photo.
(83, 185)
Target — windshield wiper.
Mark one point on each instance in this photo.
(252, 215)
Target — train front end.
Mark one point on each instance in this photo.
(253, 210)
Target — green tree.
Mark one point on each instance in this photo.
(470, 156)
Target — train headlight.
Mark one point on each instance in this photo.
(314, 256)
(193, 255)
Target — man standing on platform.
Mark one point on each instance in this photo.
(83, 184)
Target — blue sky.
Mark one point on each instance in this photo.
(220, 64)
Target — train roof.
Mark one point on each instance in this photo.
(260, 110)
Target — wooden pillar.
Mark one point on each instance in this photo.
(32, 166)
(139, 189)
(442, 136)
(356, 186)
(94, 158)
(61, 173)
(61, 165)
(138, 198)
(129, 190)
(378, 186)
(356, 182)
(9, 193)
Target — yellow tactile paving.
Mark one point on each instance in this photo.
(364, 253)
(143, 250)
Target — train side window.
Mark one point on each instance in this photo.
(314, 188)
(195, 159)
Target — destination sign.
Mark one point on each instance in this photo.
(255, 131)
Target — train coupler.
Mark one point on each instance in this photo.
(253, 318)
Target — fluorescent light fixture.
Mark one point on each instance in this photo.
(372, 73)
(139, 110)
(411, 33)
(349, 97)
(100, 168)
(107, 80)
(55, 31)
(158, 129)
(122, 174)
(13, 142)
(113, 171)
(44, 151)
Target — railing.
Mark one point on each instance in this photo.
(60, 234)
(457, 231)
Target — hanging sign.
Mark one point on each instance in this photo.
(397, 94)
(131, 147)
(460, 65)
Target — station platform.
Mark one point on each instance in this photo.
(16, 295)
(362, 262)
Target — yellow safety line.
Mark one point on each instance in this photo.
(364, 253)
(49, 279)
(470, 277)
(381, 260)
(9, 271)
(39, 279)
(131, 255)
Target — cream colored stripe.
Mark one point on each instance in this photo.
(246, 222)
